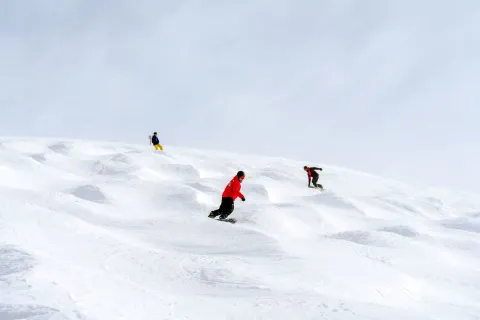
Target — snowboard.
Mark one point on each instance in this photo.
(231, 220)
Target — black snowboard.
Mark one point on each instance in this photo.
(231, 220)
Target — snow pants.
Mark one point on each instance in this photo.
(315, 180)
(158, 146)
(226, 208)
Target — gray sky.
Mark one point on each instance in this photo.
(388, 87)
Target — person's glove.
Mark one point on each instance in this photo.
(243, 199)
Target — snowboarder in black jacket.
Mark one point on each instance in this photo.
(156, 143)
(313, 176)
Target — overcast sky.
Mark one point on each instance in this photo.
(387, 87)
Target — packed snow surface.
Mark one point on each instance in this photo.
(99, 230)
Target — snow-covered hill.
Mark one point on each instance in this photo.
(97, 230)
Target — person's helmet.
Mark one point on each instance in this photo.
(241, 175)
(305, 168)
(154, 133)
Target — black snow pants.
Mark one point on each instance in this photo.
(315, 180)
(226, 208)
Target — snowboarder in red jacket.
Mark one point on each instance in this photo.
(231, 192)
(313, 176)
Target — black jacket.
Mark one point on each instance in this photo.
(311, 172)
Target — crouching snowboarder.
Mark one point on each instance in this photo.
(313, 176)
(231, 192)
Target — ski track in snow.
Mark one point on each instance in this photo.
(97, 230)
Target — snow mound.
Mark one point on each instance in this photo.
(470, 224)
(40, 157)
(404, 231)
(360, 237)
(97, 230)
(28, 312)
(60, 147)
(90, 193)
(13, 260)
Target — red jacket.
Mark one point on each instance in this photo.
(232, 190)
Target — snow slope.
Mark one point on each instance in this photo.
(97, 230)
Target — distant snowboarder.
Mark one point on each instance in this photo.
(156, 143)
(313, 176)
(231, 192)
